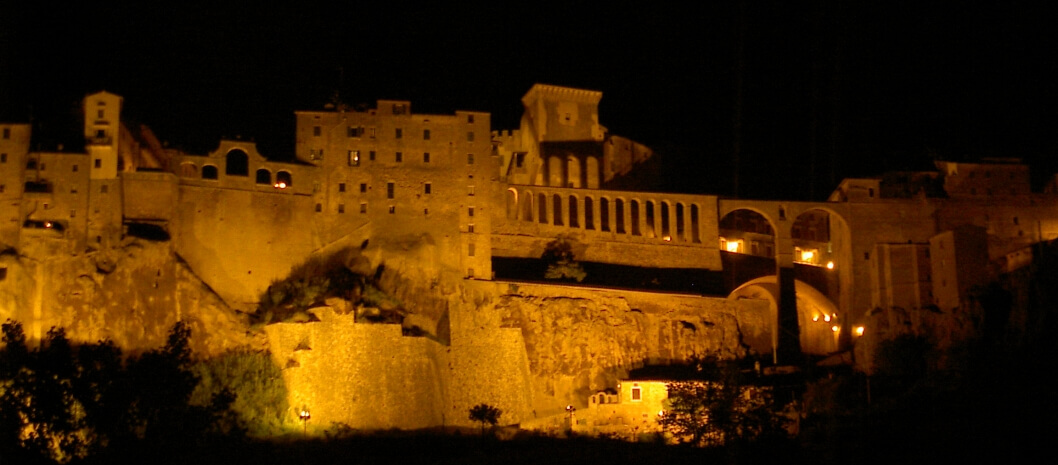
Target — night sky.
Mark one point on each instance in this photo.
(828, 90)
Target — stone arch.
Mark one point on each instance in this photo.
(604, 214)
(650, 230)
(834, 265)
(749, 231)
(666, 219)
(512, 203)
(633, 208)
(619, 215)
(589, 213)
(541, 203)
(188, 170)
(574, 221)
(556, 206)
(592, 172)
(681, 220)
(284, 179)
(573, 172)
(264, 177)
(695, 232)
(527, 207)
(209, 172)
(237, 163)
(817, 317)
(555, 171)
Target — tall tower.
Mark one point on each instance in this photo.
(102, 126)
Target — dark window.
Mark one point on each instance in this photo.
(363, 207)
(31, 164)
(354, 132)
(3, 158)
(363, 187)
(470, 118)
(426, 188)
(284, 179)
(316, 131)
(470, 228)
(264, 176)
(74, 168)
(470, 136)
(426, 157)
(99, 164)
(208, 171)
(389, 190)
(341, 187)
(237, 163)
(425, 134)
(319, 207)
(470, 212)
(392, 209)
(400, 133)
(7, 133)
(371, 155)
(341, 208)
(400, 157)
(103, 189)
(470, 158)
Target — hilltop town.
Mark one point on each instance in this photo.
(126, 236)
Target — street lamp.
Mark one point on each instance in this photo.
(570, 409)
(304, 416)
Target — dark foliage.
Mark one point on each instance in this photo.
(60, 402)
(485, 413)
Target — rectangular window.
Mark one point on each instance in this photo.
(470, 136)
(99, 114)
(425, 134)
(354, 131)
(399, 108)
(2, 187)
(341, 208)
(73, 190)
(637, 393)
(103, 189)
(400, 133)
(400, 157)
(371, 155)
(98, 163)
(426, 157)
(316, 131)
(7, 133)
(354, 158)
(74, 168)
(470, 249)
(470, 228)
(389, 190)
(392, 209)
(319, 207)
(426, 188)
(372, 133)
(363, 187)
(341, 187)
(470, 158)
(470, 190)
(363, 207)
(73, 213)
(3, 158)
(470, 212)
(470, 119)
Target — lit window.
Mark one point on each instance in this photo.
(354, 158)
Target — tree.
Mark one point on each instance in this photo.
(560, 262)
(720, 410)
(485, 413)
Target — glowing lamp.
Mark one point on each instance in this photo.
(668, 238)
(280, 185)
(807, 255)
(826, 317)
(859, 330)
(47, 224)
(830, 265)
(815, 317)
(834, 328)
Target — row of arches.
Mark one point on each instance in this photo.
(666, 220)
(572, 171)
(263, 176)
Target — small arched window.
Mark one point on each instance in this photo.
(284, 178)
(264, 177)
(209, 172)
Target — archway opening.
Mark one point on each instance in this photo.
(237, 163)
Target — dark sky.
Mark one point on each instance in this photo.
(829, 89)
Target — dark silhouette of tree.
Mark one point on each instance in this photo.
(560, 261)
(485, 413)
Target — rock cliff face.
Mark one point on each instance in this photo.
(132, 295)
